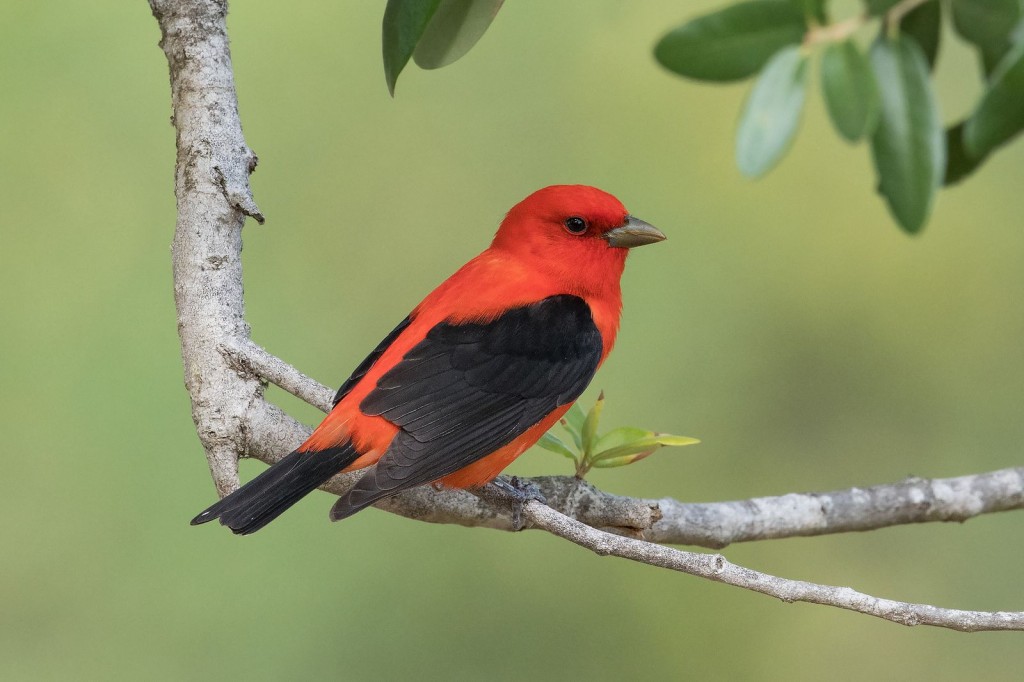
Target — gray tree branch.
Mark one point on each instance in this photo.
(211, 186)
(711, 524)
(226, 374)
(598, 521)
(716, 567)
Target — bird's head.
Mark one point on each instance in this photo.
(576, 233)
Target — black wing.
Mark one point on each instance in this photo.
(467, 390)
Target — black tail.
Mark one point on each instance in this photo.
(267, 496)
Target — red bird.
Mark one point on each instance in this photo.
(479, 370)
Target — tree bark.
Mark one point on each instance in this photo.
(211, 186)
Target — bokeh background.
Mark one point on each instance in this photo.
(788, 323)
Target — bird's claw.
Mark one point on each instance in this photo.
(515, 492)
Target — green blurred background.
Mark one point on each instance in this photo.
(787, 323)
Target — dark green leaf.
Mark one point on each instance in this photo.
(1017, 34)
(1000, 115)
(988, 25)
(924, 24)
(771, 114)
(404, 23)
(455, 28)
(959, 163)
(553, 443)
(732, 43)
(908, 144)
(879, 7)
(851, 95)
(812, 9)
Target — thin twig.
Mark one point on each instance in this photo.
(896, 13)
(839, 31)
(835, 33)
(248, 357)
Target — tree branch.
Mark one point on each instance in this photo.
(226, 374)
(713, 524)
(211, 186)
(913, 500)
(716, 567)
(252, 360)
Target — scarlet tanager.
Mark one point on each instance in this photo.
(477, 372)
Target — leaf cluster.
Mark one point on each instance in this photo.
(619, 447)
(433, 33)
(883, 93)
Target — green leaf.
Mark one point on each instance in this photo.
(589, 430)
(674, 441)
(623, 460)
(908, 145)
(404, 23)
(979, 21)
(732, 43)
(812, 9)
(553, 443)
(621, 436)
(1000, 115)
(959, 163)
(454, 29)
(924, 24)
(851, 94)
(1017, 34)
(771, 114)
(989, 25)
(573, 423)
(879, 7)
(642, 445)
(646, 445)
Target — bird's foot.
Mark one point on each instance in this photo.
(515, 492)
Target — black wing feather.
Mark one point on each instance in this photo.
(467, 390)
(369, 361)
(267, 496)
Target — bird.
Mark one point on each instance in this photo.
(477, 372)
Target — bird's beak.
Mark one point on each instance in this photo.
(634, 233)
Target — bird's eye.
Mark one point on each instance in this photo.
(576, 225)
